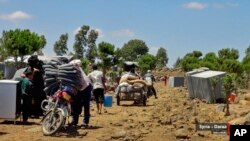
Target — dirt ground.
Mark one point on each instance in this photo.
(173, 116)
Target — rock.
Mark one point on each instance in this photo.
(194, 120)
(182, 134)
(165, 121)
(219, 108)
(244, 102)
(119, 134)
(145, 131)
(117, 124)
(247, 97)
(239, 120)
(247, 117)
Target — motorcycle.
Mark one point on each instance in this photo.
(57, 108)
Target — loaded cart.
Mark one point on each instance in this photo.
(132, 93)
(130, 87)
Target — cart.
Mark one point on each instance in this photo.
(132, 93)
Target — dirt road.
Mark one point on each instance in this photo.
(171, 117)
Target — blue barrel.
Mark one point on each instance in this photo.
(107, 101)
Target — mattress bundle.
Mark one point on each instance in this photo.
(58, 74)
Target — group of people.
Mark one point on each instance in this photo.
(32, 85)
(94, 83)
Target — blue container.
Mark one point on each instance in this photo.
(107, 101)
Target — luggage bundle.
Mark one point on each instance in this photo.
(59, 74)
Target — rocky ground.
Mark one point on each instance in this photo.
(173, 116)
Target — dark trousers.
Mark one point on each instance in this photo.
(82, 99)
(153, 90)
(26, 107)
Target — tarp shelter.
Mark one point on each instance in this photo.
(200, 85)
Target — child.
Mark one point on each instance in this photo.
(26, 84)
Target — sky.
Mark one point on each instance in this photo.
(179, 26)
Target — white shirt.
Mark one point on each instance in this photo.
(96, 79)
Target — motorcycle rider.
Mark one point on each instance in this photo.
(149, 78)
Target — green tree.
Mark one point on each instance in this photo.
(228, 60)
(60, 46)
(191, 61)
(161, 57)
(134, 49)
(84, 45)
(81, 41)
(247, 50)
(228, 54)
(147, 62)
(20, 43)
(177, 63)
(210, 60)
(91, 51)
(106, 52)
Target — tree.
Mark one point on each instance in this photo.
(85, 43)
(191, 61)
(247, 50)
(91, 52)
(81, 41)
(106, 52)
(147, 62)
(177, 63)
(210, 60)
(134, 49)
(228, 60)
(161, 57)
(60, 46)
(228, 54)
(20, 43)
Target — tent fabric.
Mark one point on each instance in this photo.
(199, 85)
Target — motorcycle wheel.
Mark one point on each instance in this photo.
(52, 122)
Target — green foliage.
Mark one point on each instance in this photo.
(177, 63)
(247, 50)
(20, 43)
(85, 43)
(106, 52)
(147, 62)
(81, 41)
(210, 60)
(231, 66)
(161, 57)
(191, 61)
(229, 83)
(60, 46)
(228, 54)
(91, 52)
(85, 65)
(246, 63)
(134, 49)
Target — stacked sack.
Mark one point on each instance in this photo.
(59, 74)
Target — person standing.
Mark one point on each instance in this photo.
(149, 77)
(38, 83)
(97, 79)
(82, 98)
(27, 90)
